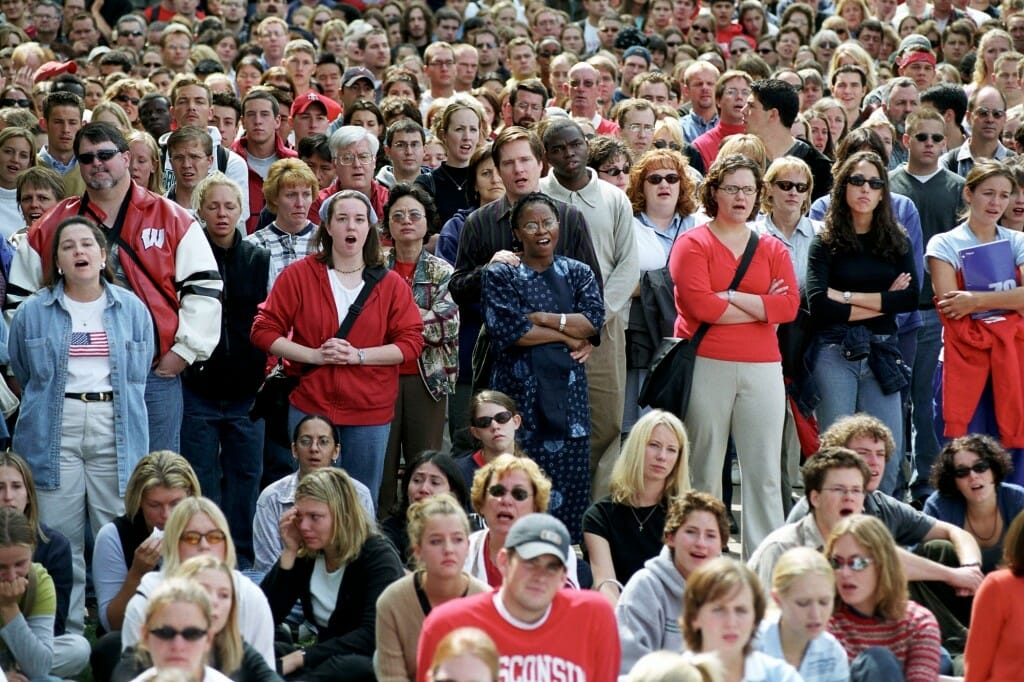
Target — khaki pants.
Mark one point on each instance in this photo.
(606, 377)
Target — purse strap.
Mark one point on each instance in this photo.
(741, 271)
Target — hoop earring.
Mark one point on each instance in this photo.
(60, 271)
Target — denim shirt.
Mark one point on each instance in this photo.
(40, 338)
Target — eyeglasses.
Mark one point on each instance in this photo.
(985, 112)
(8, 102)
(525, 107)
(979, 467)
(736, 189)
(402, 146)
(125, 99)
(104, 155)
(444, 63)
(534, 228)
(615, 172)
(608, 29)
(167, 633)
(585, 83)
(860, 181)
(323, 442)
(498, 491)
(843, 491)
(663, 144)
(402, 216)
(670, 178)
(936, 137)
(855, 563)
(786, 185)
(486, 46)
(640, 127)
(364, 158)
(194, 537)
(483, 422)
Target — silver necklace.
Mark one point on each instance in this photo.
(647, 518)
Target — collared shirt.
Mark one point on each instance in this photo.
(694, 125)
(803, 533)
(55, 163)
(799, 245)
(665, 237)
(963, 162)
(285, 248)
(609, 217)
(824, 658)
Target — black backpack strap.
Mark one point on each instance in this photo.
(371, 277)
(222, 159)
(741, 271)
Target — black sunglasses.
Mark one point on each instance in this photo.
(979, 467)
(614, 172)
(936, 137)
(167, 633)
(124, 99)
(786, 185)
(8, 102)
(498, 491)
(670, 178)
(662, 144)
(88, 158)
(483, 422)
(860, 181)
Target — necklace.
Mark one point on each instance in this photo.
(350, 272)
(454, 181)
(647, 518)
(975, 533)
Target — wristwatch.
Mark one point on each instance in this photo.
(362, 356)
(561, 322)
(847, 295)
(731, 294)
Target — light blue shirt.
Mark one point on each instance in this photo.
(667, 237)
(799, 245)
(694, 126)
(946, 246)
(824, 660)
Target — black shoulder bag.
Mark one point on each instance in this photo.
(272, 399)
(670, 378)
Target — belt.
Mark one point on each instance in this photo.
(105, 397)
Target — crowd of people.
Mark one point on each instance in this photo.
(326, 326)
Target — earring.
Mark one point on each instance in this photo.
(60, 271)
(103, 265)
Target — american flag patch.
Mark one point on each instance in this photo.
(89, 345)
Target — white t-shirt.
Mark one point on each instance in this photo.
(323, 591)
(261, 166)
(343, 296)
(89, 352)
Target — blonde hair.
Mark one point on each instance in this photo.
(178, 520)
(981, 73)
(228, 642)
(627, 478)
(874, 537)
(215, 179)
(670, 666)
(156, 178)
(159, 469)
(284, 173)
(466, 642)
(786, 164)
(351, 527)
(505, 464)
(420, 512)
(797, 563)
(860, 57)
(455, 104)
(748, 145)
(173, 591)
(115, 110)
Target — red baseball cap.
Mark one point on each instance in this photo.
(53, 69)
(300, 105)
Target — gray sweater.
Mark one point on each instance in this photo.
(648, 610)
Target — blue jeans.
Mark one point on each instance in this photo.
(848, 387)
(164, 403)
(225, 449)
(926, 442)
(362, 450)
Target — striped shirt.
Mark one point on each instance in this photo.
(913, 639)
(285, 248)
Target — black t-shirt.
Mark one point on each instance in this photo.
(633, 533)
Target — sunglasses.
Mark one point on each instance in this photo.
(152, 65)
(8, 102)
(615, 172)
(856, 563)
(670, 178)
(765, 50)
(860, 181)
(131, 34)
(483, 422)
(984, 112)
(167, 633)
(979, 467)
(498, 491)
(936, 137)
(786, 185)
(104, 155)
(194, 537)
(125, 99)
(662, 144)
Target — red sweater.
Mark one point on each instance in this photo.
(301, 307)
(914, 639)
(710, 142)
(578, 641)
(972, 348)
(995, 642)
(701, 265)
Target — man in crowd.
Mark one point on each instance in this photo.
(62, 119)
(259, 148)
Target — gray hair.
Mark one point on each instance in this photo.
(347, 136)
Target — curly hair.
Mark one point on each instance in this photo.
(846, 429)
(988, 449)
(662, 159)
(887, 238)
(876, 541)
(722, 167)
(502, 465)
(680, 508)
